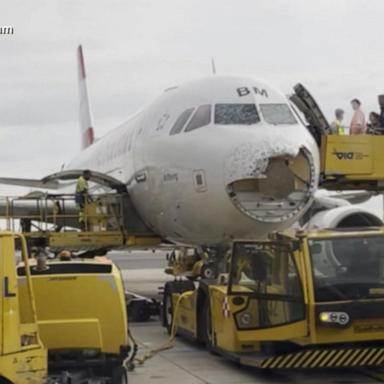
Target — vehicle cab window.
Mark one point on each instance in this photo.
(201, 118)
(277, 114)
(348, 268)
(236, 114)
(180, 122)
(268, 275)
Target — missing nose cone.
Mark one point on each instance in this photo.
(281, 191)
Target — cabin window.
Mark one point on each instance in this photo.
(236, 114)
(201, 118)
(277, 114)
(180, 122)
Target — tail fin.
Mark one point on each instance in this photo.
(86, 126)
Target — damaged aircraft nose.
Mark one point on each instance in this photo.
(271, 186)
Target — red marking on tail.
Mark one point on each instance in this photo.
(89, 137)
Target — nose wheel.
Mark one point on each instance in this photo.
(208, 271)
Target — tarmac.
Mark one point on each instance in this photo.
(187, 363)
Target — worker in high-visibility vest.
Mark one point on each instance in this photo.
(81, 196)
(337, 127)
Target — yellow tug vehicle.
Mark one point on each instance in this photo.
(301, 299)
(81, 314)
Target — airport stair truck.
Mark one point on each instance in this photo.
(301, 299)
(348, 162)
(23, 358)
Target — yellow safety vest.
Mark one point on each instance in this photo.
(339, 128)
(82, 185)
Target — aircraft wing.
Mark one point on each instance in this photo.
(31, 183)
(357, 197)
(99, 178)
(57, 180)
(324, 200)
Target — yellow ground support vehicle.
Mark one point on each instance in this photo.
(351, 162)
(48, 220)
(348, 162)
(23, 358)
(81, 314)
(297, 300)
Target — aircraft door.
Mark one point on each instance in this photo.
(318, 125)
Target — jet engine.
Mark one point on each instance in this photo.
(344, 217)
(334, 257)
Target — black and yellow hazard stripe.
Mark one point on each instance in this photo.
(327, 358)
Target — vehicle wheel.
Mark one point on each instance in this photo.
(119, 376)
(168, 308)
(139, 312)
(206, 323)
(170, 288)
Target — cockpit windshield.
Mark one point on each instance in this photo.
(180, 122)
(348, 268)
(277, 114)
(240, 114)
(201, 118)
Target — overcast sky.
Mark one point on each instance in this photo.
(134, 49)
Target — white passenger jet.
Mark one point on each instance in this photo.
(219, 158)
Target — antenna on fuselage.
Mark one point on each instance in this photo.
(213, 66)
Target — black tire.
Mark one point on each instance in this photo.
(206, 325)
(119, 376)
(139, 311)
(167, 309)
(170, 288)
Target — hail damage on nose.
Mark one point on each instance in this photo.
(270, 183)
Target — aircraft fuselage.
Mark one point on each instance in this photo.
(215, 159)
